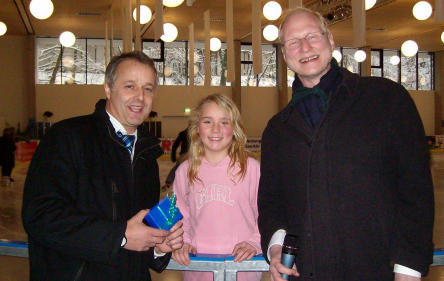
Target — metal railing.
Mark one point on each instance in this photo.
(224, 268)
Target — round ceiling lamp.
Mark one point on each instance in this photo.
(145, 14)
(67, 39)
(215, 44)
(395, 60)
(270, 32)
(68, 61)
(167, 71)
(172, 3)
(442, 36)
(360, 56)
(409, 48)
(3, 28)
(337, 55)
(369, 4)
(41, 9)
(272, 10)
(169, 32)
(422, 10)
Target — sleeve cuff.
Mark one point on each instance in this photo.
(405, 270)
(158, 255)
(277, 239)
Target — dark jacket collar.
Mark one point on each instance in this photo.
(144, 139)
(327, 84)
(346, 89)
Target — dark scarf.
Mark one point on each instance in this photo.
(311, 102)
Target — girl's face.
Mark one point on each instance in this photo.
(215, 131)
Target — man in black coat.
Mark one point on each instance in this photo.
(345, 168)
(92, 180)
(7, 154)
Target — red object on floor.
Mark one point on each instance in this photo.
(25, 150)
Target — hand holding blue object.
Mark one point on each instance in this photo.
(165, 214)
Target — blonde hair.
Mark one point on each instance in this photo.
(236, 151)
(291, 12)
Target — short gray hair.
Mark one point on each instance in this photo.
(139, 56)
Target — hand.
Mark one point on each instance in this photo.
(276, 267)
(141, 237)
(182, 255)
(173, 241)
(242, 251)
(404, 277)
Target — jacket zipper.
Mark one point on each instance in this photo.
(80, 271)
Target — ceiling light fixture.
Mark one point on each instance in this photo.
(67, 39)
(270, 32)
(41, 9)
(167, 71)
(409, 48)
(442, 36)
(337, 55)
(169, 32)
(360, 56)
(3, 28)
(272, 10)
(215, 44)
(422, 10)
(172, 3)
(369, 4)
(68, 61)
(145, 14)
(395, 60)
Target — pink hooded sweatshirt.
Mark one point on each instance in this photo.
(219, 212)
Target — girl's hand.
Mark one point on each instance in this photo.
(182, 255)
(242, 251)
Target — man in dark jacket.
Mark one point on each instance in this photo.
(88, 188)
(345, 168)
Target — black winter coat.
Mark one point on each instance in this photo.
(357, 189)
(80, 190)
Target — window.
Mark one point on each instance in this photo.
(49, 53)
(175, 70)
(408, 72)
(391, 62)
(268, 76)
(154, 51)
(95, 63)
(60, 65)
(348, 60)
(425, 71)
(84, 63)
(219, 67)
(376, 63)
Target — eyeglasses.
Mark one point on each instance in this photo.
(311, 38)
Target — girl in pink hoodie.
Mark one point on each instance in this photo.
(216, 189)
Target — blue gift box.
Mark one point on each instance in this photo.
(164, 215)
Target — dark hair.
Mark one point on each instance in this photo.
(111, 69)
